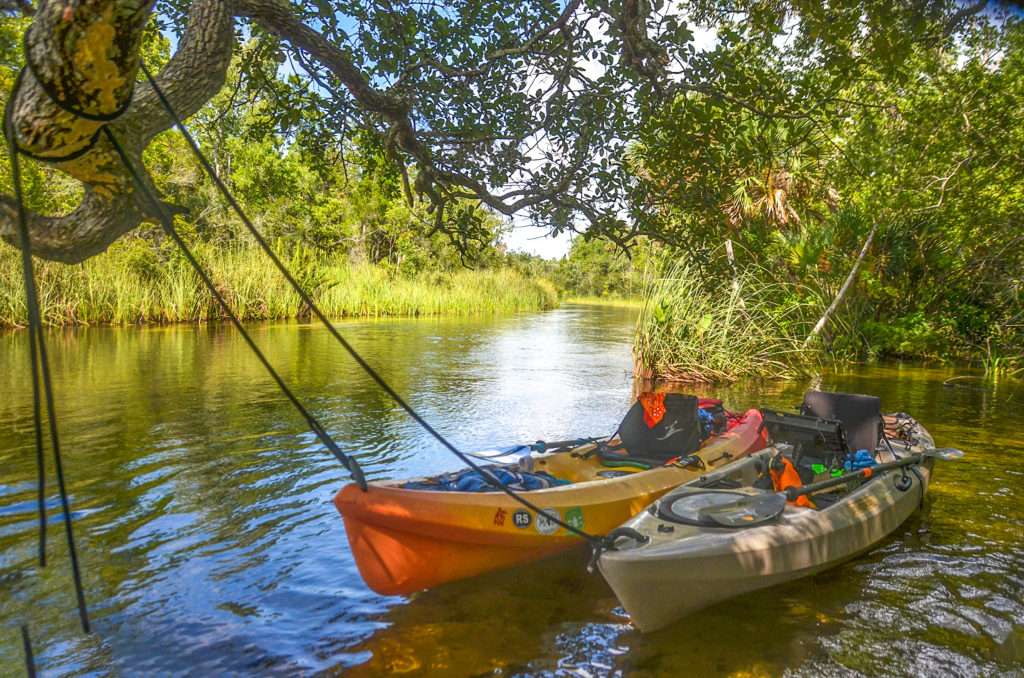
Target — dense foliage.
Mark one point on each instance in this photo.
(925, 147)
(341, 223)
(800, 133)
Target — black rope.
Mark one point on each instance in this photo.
(33, 322)
(50, 158)
(64, 158)
(494, 482)
(41, 367)
(30, 660)
(348, 462)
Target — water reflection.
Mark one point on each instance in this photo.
(209, 544)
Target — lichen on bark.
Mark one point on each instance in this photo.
(85, 55)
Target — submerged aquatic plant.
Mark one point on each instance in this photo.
(696, 329)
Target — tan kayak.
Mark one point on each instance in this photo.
(678, 555)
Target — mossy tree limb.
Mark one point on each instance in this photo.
(86, 55)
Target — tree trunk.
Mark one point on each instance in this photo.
(735, 273)
(846, 286)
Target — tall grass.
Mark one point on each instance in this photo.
(692, 329)
(133, 284)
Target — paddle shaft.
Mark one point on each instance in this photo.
(793, 492)
(575, 442)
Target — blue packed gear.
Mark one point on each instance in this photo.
(472, 481)
(862, 459)
(707, 420)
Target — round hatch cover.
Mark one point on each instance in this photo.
(721, 508)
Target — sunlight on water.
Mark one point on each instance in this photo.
(209, 544)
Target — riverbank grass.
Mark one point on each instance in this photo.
(695, 330)
(609, 301)
(132, 284)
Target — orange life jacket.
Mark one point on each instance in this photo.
(785, 477)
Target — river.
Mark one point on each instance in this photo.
(209, 544)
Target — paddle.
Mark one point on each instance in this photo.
(511, 455)
(758, 508)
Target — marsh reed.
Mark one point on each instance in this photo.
(132, 284)
(698, 330)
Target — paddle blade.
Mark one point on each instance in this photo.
(507, 455)
(753, 509)
(947, 453)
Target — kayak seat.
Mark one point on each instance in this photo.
(860, 415)
(675, 431)
(830, 429)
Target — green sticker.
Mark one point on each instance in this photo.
(574, 517)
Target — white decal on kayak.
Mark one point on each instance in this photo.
(574, 517)
(544, 522)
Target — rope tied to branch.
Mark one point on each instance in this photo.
(168, 225)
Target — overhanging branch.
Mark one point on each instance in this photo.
(86, 54)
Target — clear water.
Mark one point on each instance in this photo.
(209, 545)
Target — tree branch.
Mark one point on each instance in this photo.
(87, 55)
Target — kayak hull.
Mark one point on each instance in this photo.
(685, 568)
(407, 540)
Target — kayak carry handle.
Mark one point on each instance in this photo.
(608, 543)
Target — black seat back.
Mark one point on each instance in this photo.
(860, 415)
(679, 433)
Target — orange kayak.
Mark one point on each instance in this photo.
(406, 540)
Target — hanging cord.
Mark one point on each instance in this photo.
(40, 366)
(487, 476)
(317, 428)
(33, 322)
(30, 659)
(357, 474)
(314, 424)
